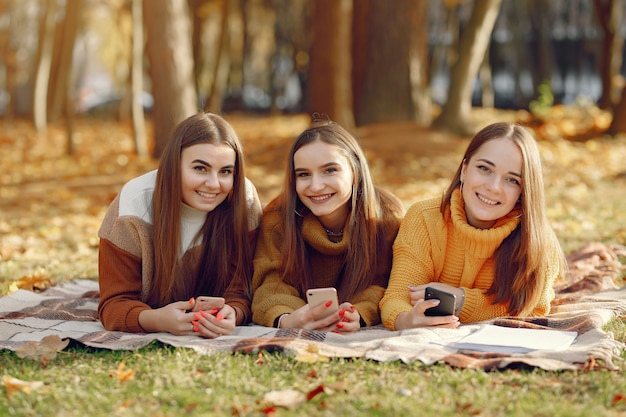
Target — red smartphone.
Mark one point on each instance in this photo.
(207, 303)
(317, 296)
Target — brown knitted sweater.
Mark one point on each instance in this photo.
(273, 297)
(126, 255)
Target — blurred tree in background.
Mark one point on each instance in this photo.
(357, 61)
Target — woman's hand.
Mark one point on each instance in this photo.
(417, 318)
(172, 318)
(315, 318)
(214, 323)
(350, 319)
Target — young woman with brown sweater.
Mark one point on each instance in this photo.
(184, 230)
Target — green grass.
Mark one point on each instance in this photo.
(173, 381)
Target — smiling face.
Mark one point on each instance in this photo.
(491, 182)
(207, 175)
(324, 181)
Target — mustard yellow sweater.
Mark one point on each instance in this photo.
(273, 297)
(429, 249)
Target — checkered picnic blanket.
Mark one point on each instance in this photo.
(585, 302)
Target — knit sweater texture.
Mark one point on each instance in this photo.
(126, 255)
(433, 248)
(273, 297)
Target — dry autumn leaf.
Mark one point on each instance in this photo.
(289, 398)
(311, 355)
(123, 374)
(13, 385)
(44, 350)
(38, 281)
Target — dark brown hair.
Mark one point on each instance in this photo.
(520, 261)
(226, 247)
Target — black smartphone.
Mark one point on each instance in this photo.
(447, 302)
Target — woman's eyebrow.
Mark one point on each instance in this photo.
(200, 161)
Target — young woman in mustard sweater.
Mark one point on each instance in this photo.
(329, 227)
(487, 241)
(183, 230)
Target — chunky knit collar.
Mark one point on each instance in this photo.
(315, 235)
(481, 242)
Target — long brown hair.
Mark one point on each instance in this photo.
(520, 261)
(226, 248)
(365, 210)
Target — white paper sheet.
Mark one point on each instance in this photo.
(490, 338)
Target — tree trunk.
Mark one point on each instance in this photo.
(618, 124)
(42, 69)
(455, 115)
(171, 66)
(609, 16)
(9, 59)
(388, 58)
(139, 127)
(221, 63)
(541, 52)
(418, 66)
(330, 70)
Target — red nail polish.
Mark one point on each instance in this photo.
(196, 329)
(340, 325)
(214, 311)
(203, 313)
(342, 312)
(219, 317)
(352, 308)
(197, 316)
(195, 323)
(329, 303)
(344, 319)
(191, 300)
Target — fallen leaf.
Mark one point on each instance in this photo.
(311, 355)
(122, 374)
(38, 281)
(43, 351)
(617, 399)
(289, 398)
(13, 385)
(314, 392)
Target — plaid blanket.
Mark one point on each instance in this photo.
(589, 298)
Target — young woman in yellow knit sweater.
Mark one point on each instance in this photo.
(487, 241)
(329, 227)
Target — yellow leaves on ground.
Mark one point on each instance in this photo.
(13, 385)
(38, 281)
(122, 374)
(311, 355)
(43, 351)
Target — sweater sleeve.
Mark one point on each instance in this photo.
(412, 264)
(120, 289)
(272, 296)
